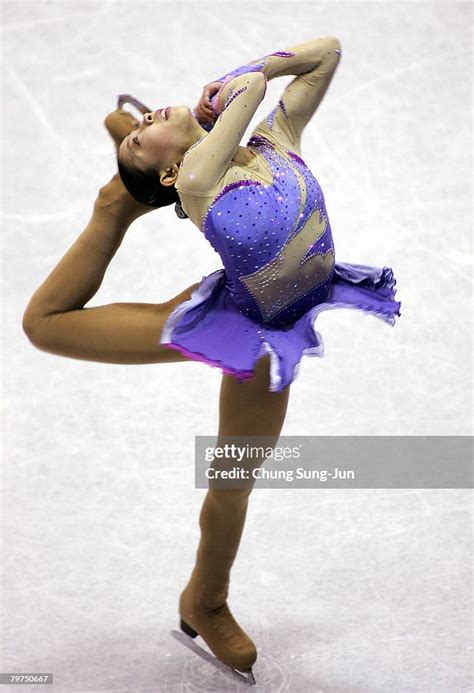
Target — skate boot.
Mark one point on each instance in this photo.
(212, 619)
(120, 123)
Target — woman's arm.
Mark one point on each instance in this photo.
(205, 164)
(314, 62)
(296, 60)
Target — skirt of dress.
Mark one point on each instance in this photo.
(210, 327)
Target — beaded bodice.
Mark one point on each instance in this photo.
(275, 240)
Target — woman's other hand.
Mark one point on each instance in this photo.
(204, 110)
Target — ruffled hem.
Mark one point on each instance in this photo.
(209, 327)
(193, 327)
(376, 290)
(196, 356)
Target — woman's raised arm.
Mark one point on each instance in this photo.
(206, 163)
(314, 63)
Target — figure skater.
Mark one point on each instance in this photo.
(264, 213)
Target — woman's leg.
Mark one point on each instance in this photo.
(246, 409)
(55, 319)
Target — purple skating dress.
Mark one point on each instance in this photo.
(275, 242)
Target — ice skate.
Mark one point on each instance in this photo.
(217, 627)
(120, 123)
(122, 99)
(187, 639)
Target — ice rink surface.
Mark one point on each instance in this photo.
(343, 591)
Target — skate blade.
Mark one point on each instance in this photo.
(122, 99)
(188, 642)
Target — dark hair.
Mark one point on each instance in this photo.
(146, 188)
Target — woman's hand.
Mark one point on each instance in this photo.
(204, 111)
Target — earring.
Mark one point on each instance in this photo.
(180, 211)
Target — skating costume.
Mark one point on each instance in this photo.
(269, 224)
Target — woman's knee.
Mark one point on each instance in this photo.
(33, 326)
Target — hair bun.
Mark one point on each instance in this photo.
(180, 211)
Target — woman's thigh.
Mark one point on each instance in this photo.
(122, 333)
(254, 414)
(249, 408)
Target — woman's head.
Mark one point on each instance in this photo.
(150, 156)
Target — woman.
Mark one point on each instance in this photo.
(56, 321)
(264, 213)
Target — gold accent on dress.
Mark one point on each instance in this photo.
(286, 278)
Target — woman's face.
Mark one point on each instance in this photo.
(161, 139)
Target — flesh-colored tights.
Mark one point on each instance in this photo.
(57, 321)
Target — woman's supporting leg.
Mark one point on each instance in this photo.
(246, 409)
(55, 319)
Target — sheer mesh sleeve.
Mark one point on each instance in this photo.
(301, 98)
(314, 62)
(207, 162)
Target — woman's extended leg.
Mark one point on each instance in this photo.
(246, 409)
(55, 319)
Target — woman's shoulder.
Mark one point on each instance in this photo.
(196, 202)
(234, 173)
(188, 187)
